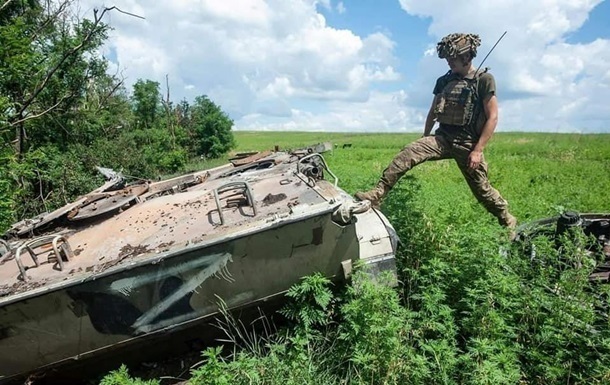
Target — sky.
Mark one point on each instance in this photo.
(365, 65)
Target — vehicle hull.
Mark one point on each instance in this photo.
(128, 264)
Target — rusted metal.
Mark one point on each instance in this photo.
(248, 158)
(41, 244)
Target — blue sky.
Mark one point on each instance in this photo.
(597, 26)
(328, 65)
(408, 32)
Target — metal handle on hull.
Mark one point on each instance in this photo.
(230, 186)
(5, 253)
(41, 241)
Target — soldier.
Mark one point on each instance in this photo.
(466, 107)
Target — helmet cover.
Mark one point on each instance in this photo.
(455, 44)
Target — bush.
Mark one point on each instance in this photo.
(121, 377)
(172, 161)
(212, 128)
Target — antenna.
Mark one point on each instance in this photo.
(488, 53)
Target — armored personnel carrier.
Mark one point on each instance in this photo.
(131, 262)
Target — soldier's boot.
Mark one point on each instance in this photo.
(375, 195)
(508, 220)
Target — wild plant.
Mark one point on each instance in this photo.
(286, 356)
(562, 324)
(121, 377)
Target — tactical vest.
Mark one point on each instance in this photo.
(457, 101)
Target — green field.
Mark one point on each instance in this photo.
(472, 308)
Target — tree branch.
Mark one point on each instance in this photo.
(20, 114)
(96, 22)
(41, 113)
(40, 195)
(121, 11)
(109, 94)
(58, 65)
(167, 106)
(5, 4)
(52, 17)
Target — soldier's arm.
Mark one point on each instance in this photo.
(490, 105)
(430, 118)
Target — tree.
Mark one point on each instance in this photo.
(55, 101)
(182, 112)
(146, 99)
(48, 60)
(211, 128)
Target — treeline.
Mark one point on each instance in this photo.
(62, 113)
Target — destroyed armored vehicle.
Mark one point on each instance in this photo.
(133, 261)
(595, 227)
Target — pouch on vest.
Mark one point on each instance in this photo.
(456, 102)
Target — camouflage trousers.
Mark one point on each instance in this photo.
(437, 148)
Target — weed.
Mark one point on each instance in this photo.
(121, 377)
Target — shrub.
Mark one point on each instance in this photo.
(121, 377)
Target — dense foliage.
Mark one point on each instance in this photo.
(62, 114)
(472, 308)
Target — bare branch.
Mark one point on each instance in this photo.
(5, 4)
(96, 22)
(168, 112)
(127, 13)
(109, 94)
(62, 7)
(40, 195)
(167, 86)
(41, 113)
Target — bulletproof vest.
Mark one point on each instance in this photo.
(457, 101)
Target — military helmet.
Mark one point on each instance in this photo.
(456, 44)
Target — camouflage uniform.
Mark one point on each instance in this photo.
(451, 142)
(439, 147)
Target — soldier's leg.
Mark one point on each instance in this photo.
(478, 182)
(424, 149)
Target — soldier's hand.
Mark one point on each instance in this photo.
(474, 159)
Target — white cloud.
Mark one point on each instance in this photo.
(246, 53)
(278, 64)
(380, 112)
